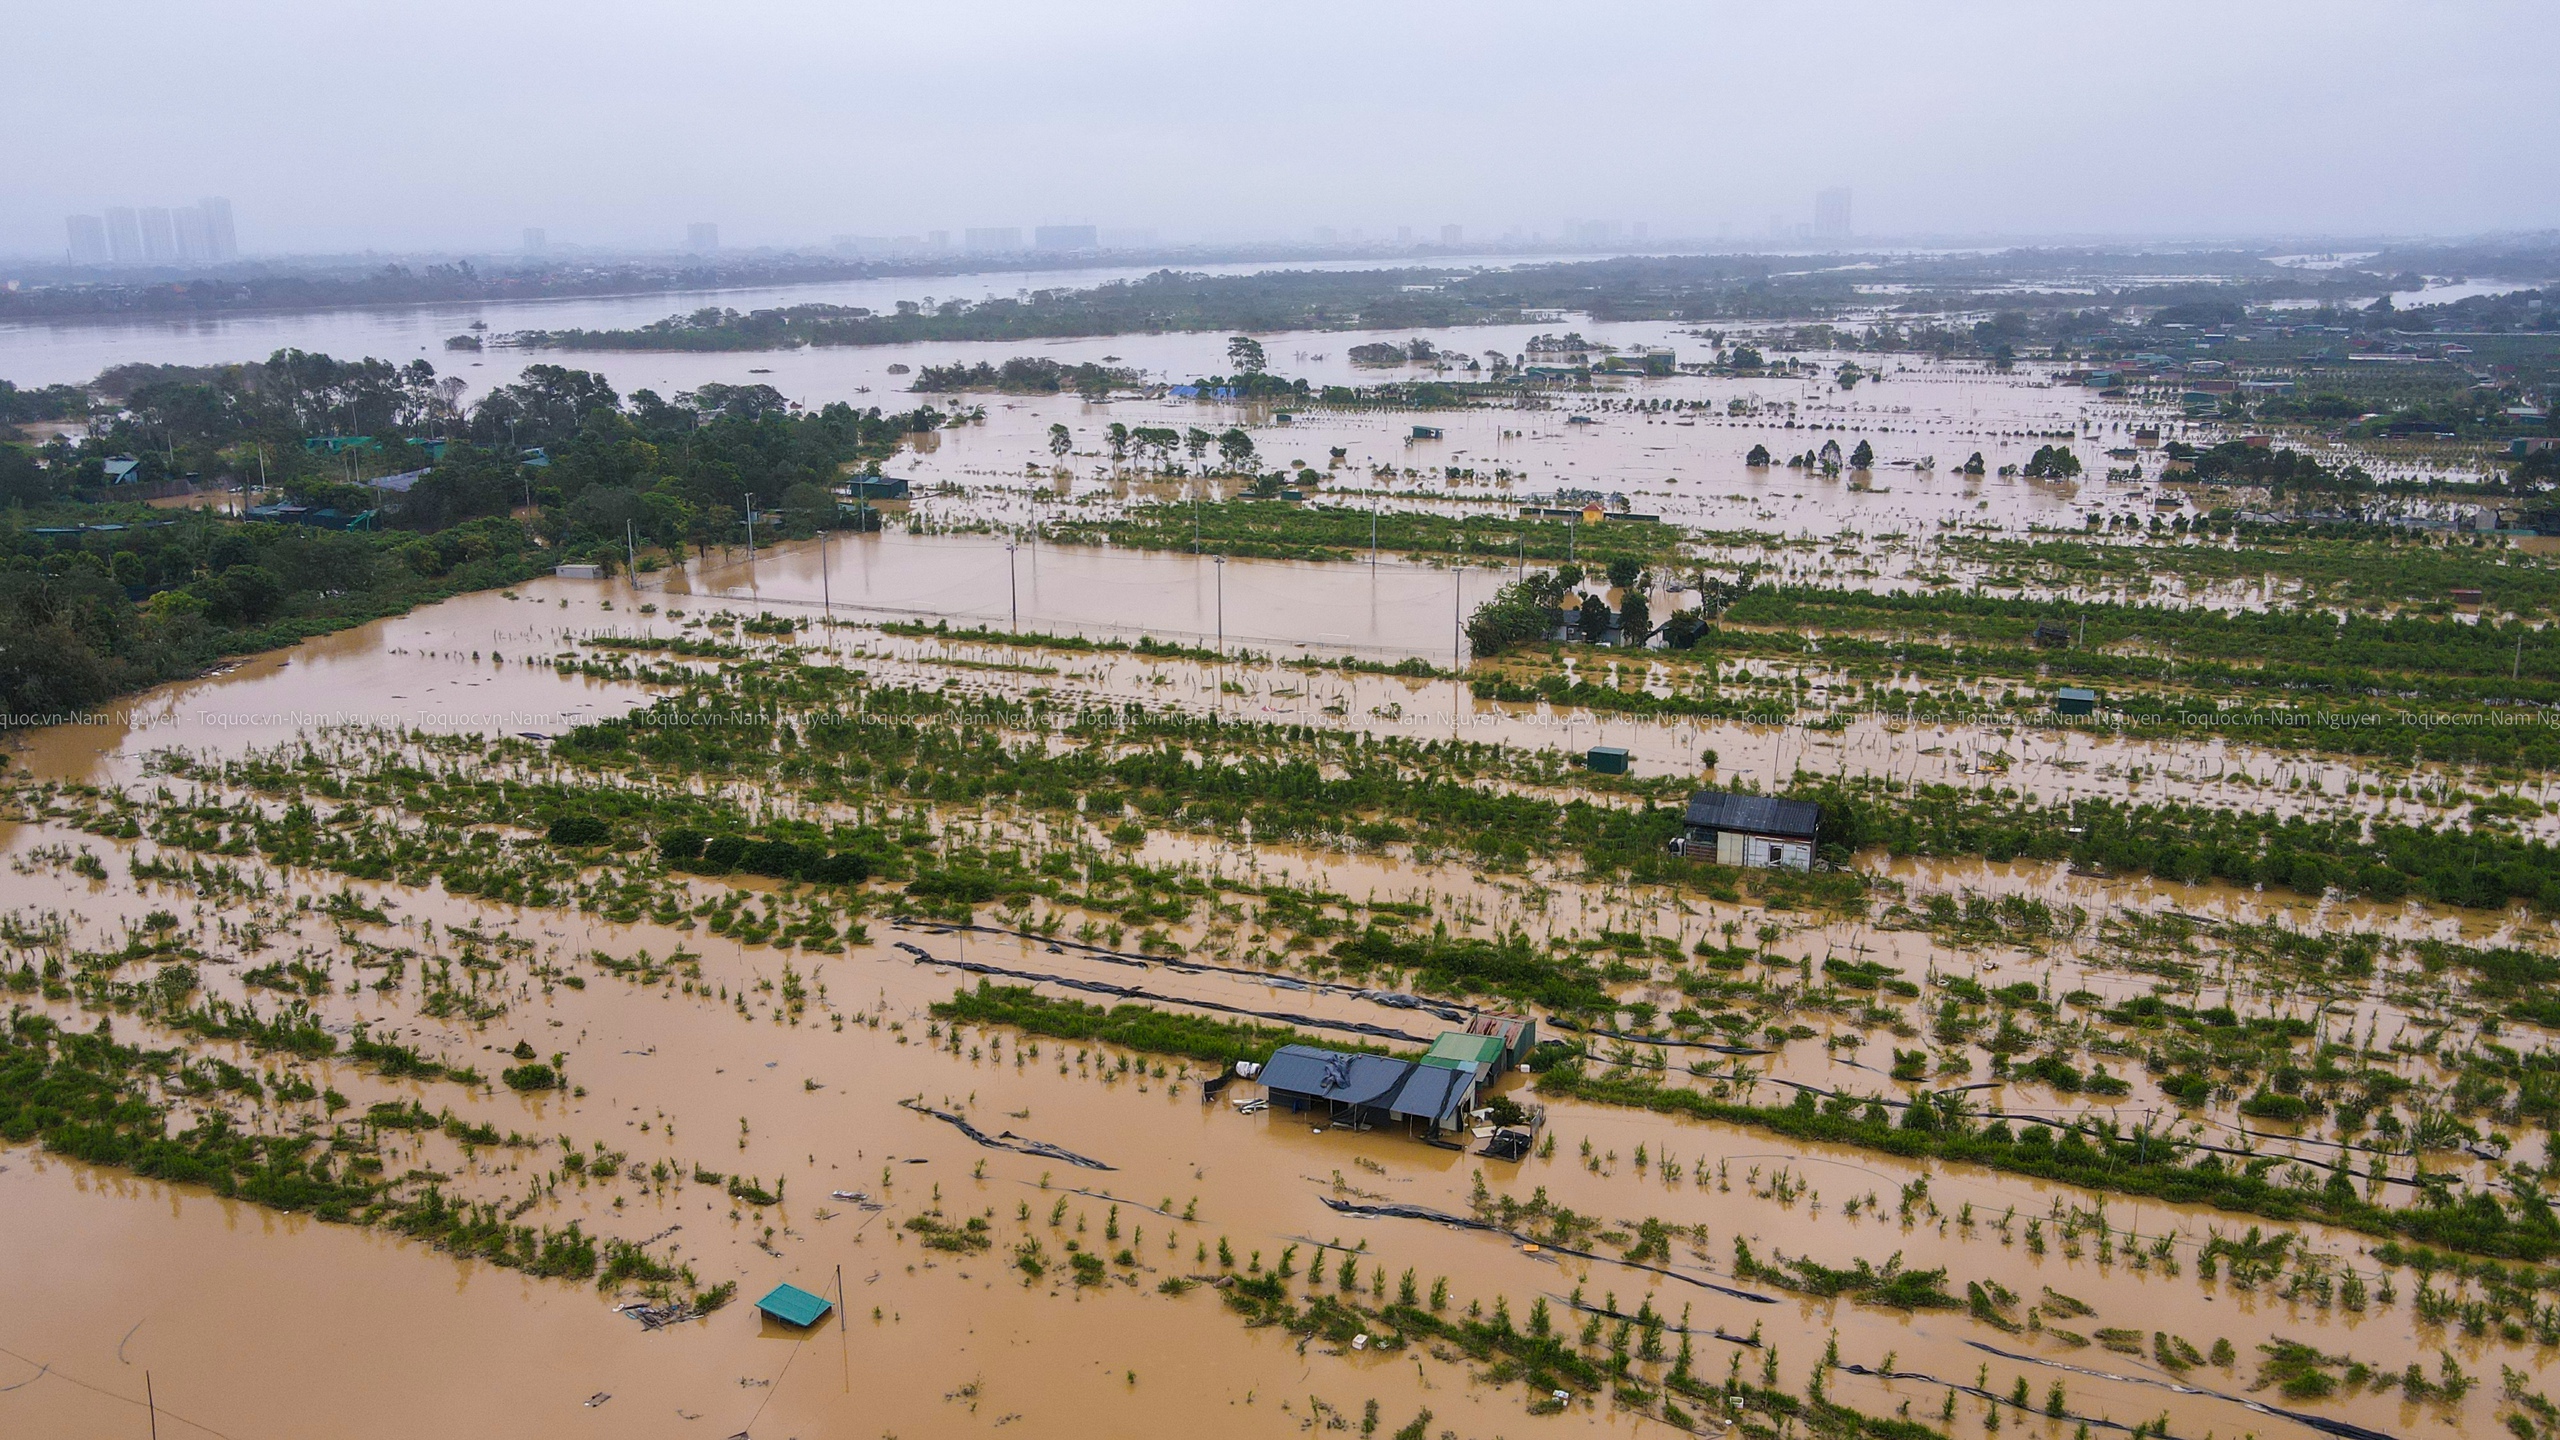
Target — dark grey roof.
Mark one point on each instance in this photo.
(1434, 1093)
(1339, 1076)
(1754, 814)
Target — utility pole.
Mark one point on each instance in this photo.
(630, 551)
(1222, 605)
(1012, 587)
(751, 533)
(826, 594)
(1373, 536)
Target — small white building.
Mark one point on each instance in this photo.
(1757, 832)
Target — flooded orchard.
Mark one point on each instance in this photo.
(461, 1021)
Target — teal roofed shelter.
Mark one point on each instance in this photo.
(2072, 700)
(794, 1306)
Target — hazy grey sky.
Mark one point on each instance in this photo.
(334, 124)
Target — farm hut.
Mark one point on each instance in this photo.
(795, 1307)
(1757, 831)
(1303, 1078)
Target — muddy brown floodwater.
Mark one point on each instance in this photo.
(238, 1321)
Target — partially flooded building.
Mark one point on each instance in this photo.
(1757, 831)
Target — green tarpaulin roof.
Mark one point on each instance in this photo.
(794, 1306)
(1458, 1052)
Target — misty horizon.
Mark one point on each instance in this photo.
(805, 129)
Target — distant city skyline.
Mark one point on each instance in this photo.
(202, 233)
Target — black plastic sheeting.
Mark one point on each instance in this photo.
(2347, 1429)
(1020, 1145)
(1587, 1308)
(2052, 1124)
(1132, 992)
(1568, 1027)
(2094, 1422)
(1469, 1222)
(1393, 999)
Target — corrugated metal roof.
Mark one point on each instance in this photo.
(794, 1306)
(1433, 1093)
(1754, 814)
(1339, 1076)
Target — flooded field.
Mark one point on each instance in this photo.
(489, 1004)
(321, 888)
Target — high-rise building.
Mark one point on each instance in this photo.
(1065, 237)
(1453, 234)
(992, 237)
(88, 239)
(159, 235)
(1831, 214)
(937, 239)
(124, 236)
(195, 242)
(1404, 234)
(536, 240)
(701, 238)
(222, 240)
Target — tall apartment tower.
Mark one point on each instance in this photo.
(88, 236)
(222, 242)
(195, 241)
(159, 235)
(536, 240)
(1831, 214)
(701, 238)
(1453, 234)
(124, 236)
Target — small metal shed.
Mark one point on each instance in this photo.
(1518, 1034)
(794, 1306)
(1606, 760)
(2072, 700)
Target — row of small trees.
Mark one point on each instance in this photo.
(1158, 443)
